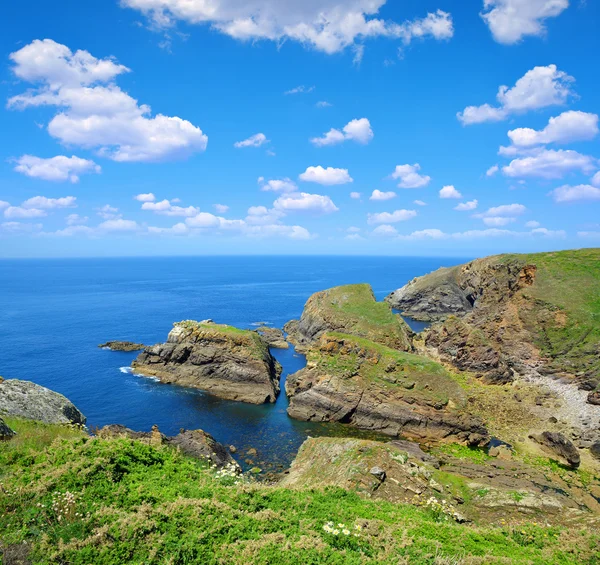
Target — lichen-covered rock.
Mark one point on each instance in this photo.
(557, 445)
(351, 310)
(224, 361)
(24, 399)
(355, 381)
(126, 346)
(5, 431)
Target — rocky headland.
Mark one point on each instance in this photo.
(224, 361)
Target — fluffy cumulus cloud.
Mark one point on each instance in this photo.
(166, 208)
(59, 168)
(327, 25)
(499, 216)
(327, 177)
(357, 130)
(492, 171)
(450, 192)
(568, 193)
(550, 164)
(147, 197)
(467, 206)
(409, 176)
(511, 20)
(277, 185)
(355, 195)
(93, 112)
(568, 127)
(435, 233)
(37, 207)
(596, 179)
(221, 208)
(255, 140)
(304, 202)
(540, 87)
(379, 195)
(391, 217)
(420, 203)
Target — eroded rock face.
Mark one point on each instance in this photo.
(195, 443)
(557, 445)
(373, 387)
(5, 431)
(224, 361)
(350, 310)
(24, 399)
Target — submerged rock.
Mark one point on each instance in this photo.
(5, 431)
(122, 346)
(28, 400)
(224, 361)
(559, 446)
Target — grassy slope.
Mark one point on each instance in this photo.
(355, 309)
(134, 503)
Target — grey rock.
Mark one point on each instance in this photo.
(558, 445)
(28, 400)
(378, 473)
(5, 431)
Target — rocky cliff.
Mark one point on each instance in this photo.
(224, 361)
(356, 381)
(351, 310)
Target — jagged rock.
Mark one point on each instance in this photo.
(594, 398)
(5, 431)
(341, 383)
(222, 360)
(274, 337)
(28, 400)
(195, 443)
(126, 346)
(559, 446)
(378, 473)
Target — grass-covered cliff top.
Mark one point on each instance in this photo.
(353, 309)
(78, 500)
(353, 358)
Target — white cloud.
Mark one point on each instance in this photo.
(568, 193)
(355, 130)
(511, 20)
(431, 233)
(566, 128)
(589, 234)
(355, 195)
(596, 179)
(532, 224)
(506, 210)
(304, 202)
(467, 206)
(76, 219)
(59, 168)
(255, 140)
(221, 208)
(43, 203)
(379, 195)
(118, 225)
(94, 113)
(450, 192)
(327, 177)
(166, 208)
(108, 212)
(385, 231)
(420, 203)
(498, 222)
(550, 164)
(437, 234)
(277, 185)
(323, 104)
(19, 227)
(327, 25)
(492, 171)
(4, 204)
(409, 176)
(353, 229)
(391, 218)
(538, 88)
(18, 212)
(148, 197)
(300, 90)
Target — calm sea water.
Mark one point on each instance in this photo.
(54, 313)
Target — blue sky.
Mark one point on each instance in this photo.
(432, 127)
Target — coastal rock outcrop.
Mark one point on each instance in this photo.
(273, 336)
(557, 445)
(126, 346)
(195, 443)
(227, 362)
(371, 386)
(352, 310)
(5, 431)
(24, 399)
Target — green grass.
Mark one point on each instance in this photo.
(128, 502)
(463, 452)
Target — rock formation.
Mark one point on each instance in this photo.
(273, 336)
(558, 446)
(5, 431)
(24, 399)
(224, 361)
(126, 346)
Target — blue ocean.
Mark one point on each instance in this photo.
(54, 313)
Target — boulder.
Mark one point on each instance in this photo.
(594, 398)
(559, 446)
(24, 399)
(5, 431)
(595, 450)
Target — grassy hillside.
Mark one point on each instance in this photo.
(66, 498)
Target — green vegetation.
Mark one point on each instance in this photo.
(249, 338)
(463, 452)
(387, 368)
(80, 500)
(353, 309)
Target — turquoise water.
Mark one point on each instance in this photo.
(54, 313)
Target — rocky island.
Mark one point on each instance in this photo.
(227, 362)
